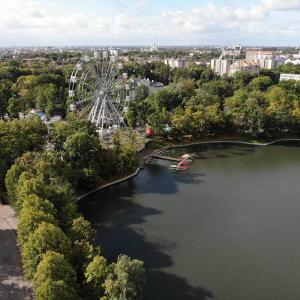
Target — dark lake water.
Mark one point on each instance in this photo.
(226, 229)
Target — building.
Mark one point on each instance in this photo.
(271, 63)
(234, 51)
(220, 66)
(244, 65)
(257, 54)
(154, 47)
(289, 77)
(176, 63)
(296, 56)
(114, 52)
(292, 61)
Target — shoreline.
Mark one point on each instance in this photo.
(137, 171)
(232, 142)
(101, 187)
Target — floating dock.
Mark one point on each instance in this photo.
(159, 156)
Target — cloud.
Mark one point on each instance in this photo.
(36, 20)
(281, 4)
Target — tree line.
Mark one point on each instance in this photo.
(35, 86)
(57, 244)
(199, 104)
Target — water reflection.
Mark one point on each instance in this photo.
(228, 228)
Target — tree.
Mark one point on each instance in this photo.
(61, 130)
(56, 190)
(39, 204)
(29, 220)
(47, 96)
(125, 279)
(141, 92)
(5, 95)
(81, 230)
(218, 88)
(47, 237)
(247, 112)
(76, 149)
(14, 107)
(12, 141)
(261, 83)
(273, 74)
(55, 278)
(95, 275)
(241, 79)
(53, 290)
(289, 68)
(205, 76)
(127, 159)
(280, 106)
(158, 120)
(22, 164)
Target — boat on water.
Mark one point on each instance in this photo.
(189, 156)
(182, 167)
(173, 167)
(179, 167)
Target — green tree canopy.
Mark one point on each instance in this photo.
(47, 237)
(125, 279)
(52, 268)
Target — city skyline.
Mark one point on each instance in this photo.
(143, 22)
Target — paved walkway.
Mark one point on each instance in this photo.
(12, 284)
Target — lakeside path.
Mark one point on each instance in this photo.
(12, 284)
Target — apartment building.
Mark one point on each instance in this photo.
(257, 54)
(244, 65)
(220, 66)
(176, 63)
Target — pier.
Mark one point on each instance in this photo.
(159, 154)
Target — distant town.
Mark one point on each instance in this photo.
(222, 60)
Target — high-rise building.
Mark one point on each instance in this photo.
(220, 66)
(154, 47)
(271, 63)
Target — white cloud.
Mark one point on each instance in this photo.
(36, 21)
(281, 4)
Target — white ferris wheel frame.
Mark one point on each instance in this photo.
(99, 93)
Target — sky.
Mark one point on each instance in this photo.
(144, 22)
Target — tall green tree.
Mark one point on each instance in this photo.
(47, 237)
(125, 279)
(5, 95)
(55, 278)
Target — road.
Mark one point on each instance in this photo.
(12, 284)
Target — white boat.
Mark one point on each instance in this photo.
(173, 167)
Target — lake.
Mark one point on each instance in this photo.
(226, 229)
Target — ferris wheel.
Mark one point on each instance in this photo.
(99, 92)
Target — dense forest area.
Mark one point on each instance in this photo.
(199, 104)
(57, 244)
(41, 168)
